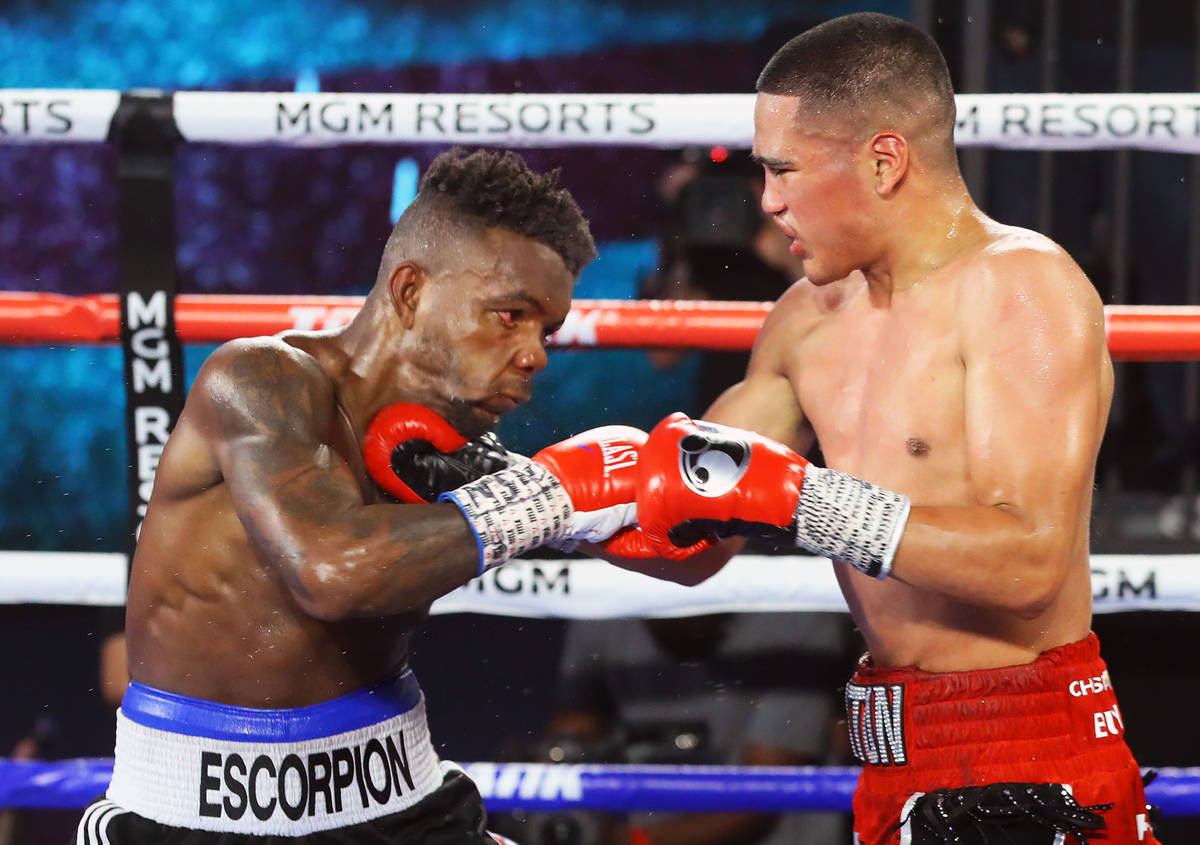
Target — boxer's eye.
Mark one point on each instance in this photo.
(509, 317)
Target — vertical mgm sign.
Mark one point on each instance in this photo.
(144, 131)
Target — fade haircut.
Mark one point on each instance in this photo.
(490, 189)
(867, 65)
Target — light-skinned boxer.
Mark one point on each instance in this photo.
(955, 373)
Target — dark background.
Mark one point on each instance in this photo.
(271, 220)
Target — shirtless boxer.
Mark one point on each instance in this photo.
(955, 373)
(274, 586)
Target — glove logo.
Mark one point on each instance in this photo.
(712, 462)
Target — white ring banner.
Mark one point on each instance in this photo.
(1166, 122)
(519, 120)
(590, 589)
(58, 116)
(1162, 122)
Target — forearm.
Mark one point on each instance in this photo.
(989, 556)
(379, 560)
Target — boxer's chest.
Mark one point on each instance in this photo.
(884, 392)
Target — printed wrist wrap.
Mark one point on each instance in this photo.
(513, 511)
(845, 518)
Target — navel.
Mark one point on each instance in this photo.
(916, 447)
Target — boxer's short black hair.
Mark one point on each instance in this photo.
(498, 189)
(862, 62)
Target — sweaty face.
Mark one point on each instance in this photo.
(482, 322)
(817, 188)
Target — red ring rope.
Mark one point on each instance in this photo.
(1135, 332)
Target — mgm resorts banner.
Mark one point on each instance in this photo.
(1169, 122)
(1164, 122)
(43, 114)
(550, 120)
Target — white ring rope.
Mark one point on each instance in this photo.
(1167, 122)
(587, 589)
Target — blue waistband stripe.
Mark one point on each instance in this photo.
(180, 714)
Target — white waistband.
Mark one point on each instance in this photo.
(280, 788)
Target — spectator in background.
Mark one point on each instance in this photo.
(44, 741)
(24, 827)
(114, 669)
(723, 689)
(717, 244)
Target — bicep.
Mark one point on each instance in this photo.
(765, 400)
(1036, 398)
(265, 418)
(764, 403)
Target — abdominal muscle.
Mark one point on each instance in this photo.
(207, 618)
(906, 626)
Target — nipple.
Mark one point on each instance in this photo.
(916, 447)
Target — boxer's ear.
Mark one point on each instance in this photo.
(889, 153)
(404, 288)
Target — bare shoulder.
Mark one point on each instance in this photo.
(799, 306)
(261, 383)
(766, 400)
(1024, 280)
(797, 312)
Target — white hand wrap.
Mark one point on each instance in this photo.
(845, 518)
(513, 511)
(596, 526)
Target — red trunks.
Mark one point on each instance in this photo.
(1054, 720)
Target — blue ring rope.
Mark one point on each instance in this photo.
(533, 787)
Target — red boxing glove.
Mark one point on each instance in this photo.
(582, 489)
(598, 470)
(414, 454)
(700, 478)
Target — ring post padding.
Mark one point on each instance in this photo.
(144, 132)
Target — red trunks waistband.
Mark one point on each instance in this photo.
(1057, 707)
(1054, 720)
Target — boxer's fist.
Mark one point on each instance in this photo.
(582, 489)
(415, 455)
(598, 470)
(700, 478)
